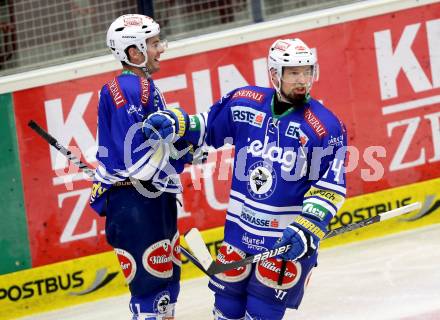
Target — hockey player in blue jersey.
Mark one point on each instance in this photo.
(288, 181)
(135, 183)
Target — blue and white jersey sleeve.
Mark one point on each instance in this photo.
(327, 194)
(213, 128)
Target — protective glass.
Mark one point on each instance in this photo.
(162, 44)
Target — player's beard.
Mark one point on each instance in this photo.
(295, 97)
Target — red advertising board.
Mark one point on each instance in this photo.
(380, 75)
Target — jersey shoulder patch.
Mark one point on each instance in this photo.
(318, 116)
(249, 94)
(315, 123)
(116, 93)
(145, 91)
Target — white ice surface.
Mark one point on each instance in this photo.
(396, 277)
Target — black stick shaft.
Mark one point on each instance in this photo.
(282, 271)
(191, 258)
(66, 152)
(351, 227)
(218, 268)
(71, 157)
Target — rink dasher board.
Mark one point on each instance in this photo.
(213, 41)
(98, 276)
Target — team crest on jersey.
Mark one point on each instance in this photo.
(228, 254)
(157, 259)
(262, 180)
(175, 244)
(294, 131)
(267, 272)
(161, 303)
(248, 115)
(127, 263)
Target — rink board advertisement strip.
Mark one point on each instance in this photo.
(14, 244)
(98, 276)
(359, 208)
(380, 75)
(60, 285)
(76, 281)
(363, 207)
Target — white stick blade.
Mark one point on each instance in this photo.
(400, 211)
(195, 242)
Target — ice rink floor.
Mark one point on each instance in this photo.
(396, 277)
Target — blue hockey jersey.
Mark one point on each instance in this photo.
(285, 165)
(123, 151)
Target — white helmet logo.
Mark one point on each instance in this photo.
(281, 45)
(133, 21)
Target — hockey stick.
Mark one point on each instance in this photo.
(66, 152)
(197, 245)
(202, 258)
(71, 157)
(201, 157)
(193, 259)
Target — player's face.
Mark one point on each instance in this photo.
(155, 47)
(296, 81)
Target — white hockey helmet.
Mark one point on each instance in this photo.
(128, 30)
(291, 53)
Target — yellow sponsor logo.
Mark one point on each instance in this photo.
(181, 119)
(77, 281)
(313, 228)
(60, 285)
(96, 277)
(97, 189)
(328, 195)
(369, 205)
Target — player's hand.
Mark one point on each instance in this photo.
(168, 125)
(302, 243)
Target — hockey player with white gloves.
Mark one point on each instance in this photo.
(288, 181)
